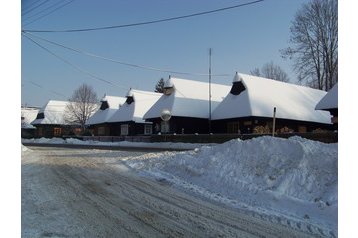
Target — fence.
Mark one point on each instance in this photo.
(326, 137)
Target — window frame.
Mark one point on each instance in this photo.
(124, 129)
(149, 128)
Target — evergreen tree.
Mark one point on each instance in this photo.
(159, 87)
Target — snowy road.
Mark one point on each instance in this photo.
(91, 193)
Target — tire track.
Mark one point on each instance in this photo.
(109, 202)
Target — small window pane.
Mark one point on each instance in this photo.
(148, 129)
(124, 130)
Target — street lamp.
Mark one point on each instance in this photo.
(165, 115)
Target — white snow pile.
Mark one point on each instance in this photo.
(24, 149)
(294, 178)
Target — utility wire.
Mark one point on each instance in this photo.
(52, 91)
(43, 10)
(72, 65)
(33, 8)
(149, 22)
(56, 9)
(121, 62)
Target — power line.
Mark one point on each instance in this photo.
(121, 62)
(25, 5)
(33, 8)
(72, 65)
(39, 86)
(149, 22)
(43, 10)
(56, 9)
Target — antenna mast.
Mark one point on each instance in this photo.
(210, 52)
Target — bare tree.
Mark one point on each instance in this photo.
(314, 39)
(256, 72)
(82, 104)
(271, 71)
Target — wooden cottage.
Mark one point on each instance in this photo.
(330, 103)
(187, 102)
(28, 114)
(49, 121)
(98, 123)
(249, 107)
(128, 119)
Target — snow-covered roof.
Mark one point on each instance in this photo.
(102, 116)
(330, 100)
(53, 113)
(189, 99)
(142, 101)
(28, 114)
(114, 102)
(261, 95)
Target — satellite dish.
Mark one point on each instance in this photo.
(165, 115)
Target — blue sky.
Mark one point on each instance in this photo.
(241, 39)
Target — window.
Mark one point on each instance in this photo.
(57, 131)
(247, 123)
(124, 130)
(302, 129)
(77, 131)
(101, 131)
(233, 127)
(147, 129)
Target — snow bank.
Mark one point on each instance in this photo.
(295, 167)
(294, 177)
(24, 148)
(157, 145)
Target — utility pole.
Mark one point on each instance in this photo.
(210, 51)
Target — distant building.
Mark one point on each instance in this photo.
(128, 119)
(49, 121)
(330, 103)
(98, 123)
(249, 107)
(187, 101)
(28, 114)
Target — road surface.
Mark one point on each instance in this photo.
(91, 193)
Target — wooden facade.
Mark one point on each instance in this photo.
(130, 128)
(49, 131)
(102, 129)
(258, 125)
(181, 125)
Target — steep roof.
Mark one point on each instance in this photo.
(261, 95)
(102, 116)
(114, 102)
(189, 99)
(142, 101)
(53, 113)
(330, 100)
(28, 114)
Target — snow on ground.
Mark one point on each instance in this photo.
(295, 179)
(292, 181)
(158, 145)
